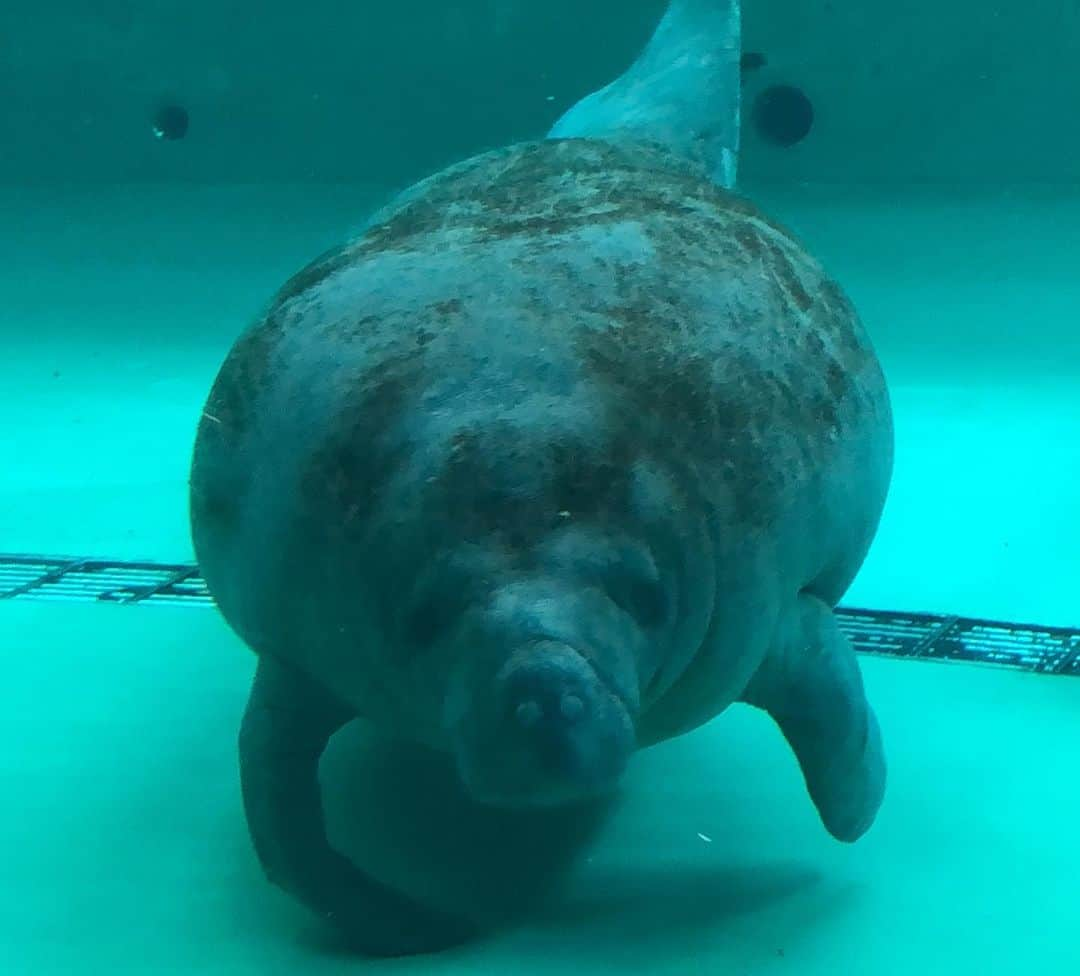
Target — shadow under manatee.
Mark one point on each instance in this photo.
(650, 904)
(399, 812)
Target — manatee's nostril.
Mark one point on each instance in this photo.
(528, 713)
(572, 707)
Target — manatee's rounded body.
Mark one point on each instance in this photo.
(571, 377)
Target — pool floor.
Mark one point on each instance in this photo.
(126, 844)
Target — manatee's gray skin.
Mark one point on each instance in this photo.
(681, 92)
(568, 452)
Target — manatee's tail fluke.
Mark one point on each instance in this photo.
(682, 91)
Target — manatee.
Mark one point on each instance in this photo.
(569, 450)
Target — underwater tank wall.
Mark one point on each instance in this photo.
(386, 92)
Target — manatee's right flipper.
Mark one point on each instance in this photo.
(812, 688)
(286, 726)
(683, 91)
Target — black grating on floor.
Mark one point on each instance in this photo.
(932, 637)
(923, 636)
(102, 580)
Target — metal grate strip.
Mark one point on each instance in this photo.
(923, 636)
(1046, 650)
(109, 581)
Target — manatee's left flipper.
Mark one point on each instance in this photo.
(812, 687)
(286, 726)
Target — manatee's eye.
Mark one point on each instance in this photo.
(644, 598)
(433, 610)
(649, 601)
(424, 622)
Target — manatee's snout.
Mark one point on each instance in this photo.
(546, 700)
(550, 731)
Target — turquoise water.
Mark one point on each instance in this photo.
(970, 296)
(126, 845)
(130, 853)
